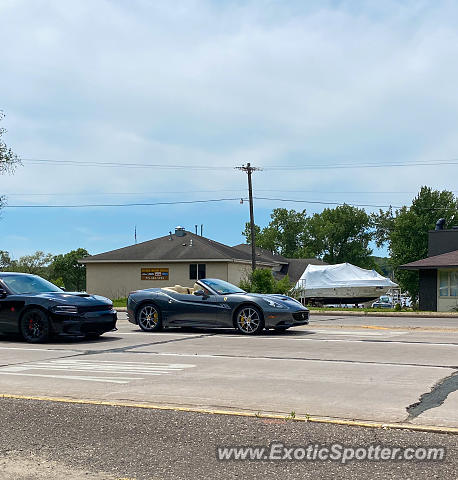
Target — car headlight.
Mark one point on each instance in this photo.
(275, 304)
(65, 309)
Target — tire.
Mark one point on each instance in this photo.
(35, 326)
(149, 318)
(249, 320)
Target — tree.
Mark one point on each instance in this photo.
(6, 262)
(8, 159)
(284, 235)
(262, 280)
(341, 234)
(407, 231)
(36, 264)
(67, 269)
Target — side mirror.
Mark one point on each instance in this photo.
(199, 293)
(3, 293)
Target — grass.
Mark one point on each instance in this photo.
(370, 309)
(120, 302)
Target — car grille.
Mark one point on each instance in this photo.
(301, 316)
(95, 308)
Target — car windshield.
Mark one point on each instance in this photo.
(221, 287)
(22, 284)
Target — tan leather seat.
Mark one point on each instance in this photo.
(180, 289)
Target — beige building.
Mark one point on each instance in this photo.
(180, 258)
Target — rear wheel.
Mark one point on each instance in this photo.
(35, 326)
(149, 318)
(249, 321)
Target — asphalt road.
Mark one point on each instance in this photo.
(54, 441)
(378, 369)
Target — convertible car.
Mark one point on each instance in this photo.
(213, 303)
(37, 309)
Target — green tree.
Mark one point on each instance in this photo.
(341, 234)
(407, 231)
(284, 235)
(69, 271)
(262, 280)
(8, 159)
(36, 264)
(6, 263)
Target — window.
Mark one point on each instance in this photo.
(443, 284)
(454, 284)
(448, 284)
(197, 271)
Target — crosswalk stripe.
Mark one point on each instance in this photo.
(71, 366)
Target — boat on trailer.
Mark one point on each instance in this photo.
(342, 283)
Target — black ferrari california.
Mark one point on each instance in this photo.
(213, 303)
(37, 309)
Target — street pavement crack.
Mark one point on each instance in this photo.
(435, 398)
(139, 345)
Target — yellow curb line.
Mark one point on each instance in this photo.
(299, 418)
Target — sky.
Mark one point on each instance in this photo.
(292, 87)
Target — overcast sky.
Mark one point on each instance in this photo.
(218, 84)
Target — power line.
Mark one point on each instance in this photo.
(322, 166)
(326, 203)
(90, 163)
(283, 167)
(214, 200)
(125, 204)
(90, 194)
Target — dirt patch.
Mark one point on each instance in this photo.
(15, 466)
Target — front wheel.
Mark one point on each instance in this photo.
(249, 321)
(149, 318)
(35, 326)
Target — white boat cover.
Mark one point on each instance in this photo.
(341, 275)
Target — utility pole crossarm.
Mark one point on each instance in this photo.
(249, 170)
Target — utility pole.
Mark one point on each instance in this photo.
(249, 170)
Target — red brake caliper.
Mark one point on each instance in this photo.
(31, 324)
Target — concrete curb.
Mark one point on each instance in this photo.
(273, 416)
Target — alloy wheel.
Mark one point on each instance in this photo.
(35, 326)
(149, 318)
(249, 320)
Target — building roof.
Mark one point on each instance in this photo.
(261, 252)
(445, 260)
(172, 248)
(293, 267)
(296, 267)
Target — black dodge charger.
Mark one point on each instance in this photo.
(37, 309)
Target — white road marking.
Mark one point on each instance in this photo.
(95, 366)
(33, 349)
(68, 377)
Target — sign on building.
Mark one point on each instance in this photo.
(155, 274)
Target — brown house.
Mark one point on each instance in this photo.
(438, 273)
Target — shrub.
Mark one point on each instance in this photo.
(262, 281)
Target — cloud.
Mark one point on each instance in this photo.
(221, 83)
